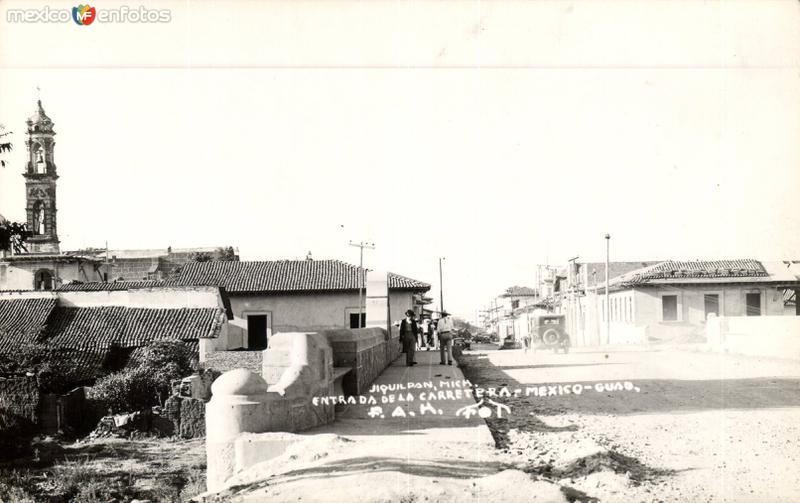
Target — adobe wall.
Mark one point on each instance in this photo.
(19, 275)
(769, 336)
(133, 268)
(19, 405)
(302, 312)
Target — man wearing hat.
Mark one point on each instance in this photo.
(408, 336)
(446, 331)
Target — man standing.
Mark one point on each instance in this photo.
(445, 328)
(408, 336)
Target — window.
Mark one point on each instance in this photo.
(43, 280)
(257, 331)
(711, 304)
(753, 303)
(354, 320)
(515, 304)
(38, 218)
(669, 308)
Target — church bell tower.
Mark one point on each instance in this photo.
(40, 184)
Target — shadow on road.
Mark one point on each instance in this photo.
(529, 412)
(423, 468)
(653, 395)
(557, 365)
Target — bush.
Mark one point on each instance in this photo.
(170, 359)
(147, 380)
(131, 389)
(17, 486)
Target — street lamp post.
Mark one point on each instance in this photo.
(608, 305)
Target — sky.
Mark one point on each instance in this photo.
(497, 135)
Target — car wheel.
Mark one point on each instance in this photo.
(550, 337)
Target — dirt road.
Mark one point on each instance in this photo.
(634, 425)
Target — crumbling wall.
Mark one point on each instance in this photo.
(19, 407)
(224, 361)
(187, 415)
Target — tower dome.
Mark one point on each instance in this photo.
(39, 120)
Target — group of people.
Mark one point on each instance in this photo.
(430, 334)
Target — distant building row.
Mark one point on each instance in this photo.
(651, 301)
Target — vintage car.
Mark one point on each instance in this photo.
(461, 342)
(549, 332)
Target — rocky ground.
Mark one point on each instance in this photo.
(105, 470)
(648, 425)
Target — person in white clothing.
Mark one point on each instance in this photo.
(446, 332)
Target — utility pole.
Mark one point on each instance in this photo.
(441, 287)
(572, 288)
(361, 245)
(608, 305)
(105, 273)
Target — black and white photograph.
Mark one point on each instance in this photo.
(399, 251)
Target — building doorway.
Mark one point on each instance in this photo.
(711, 302)
(258, 328)
(753, 302)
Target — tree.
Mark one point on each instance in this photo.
(200, 257)
(13, 236)
(5, 144)
(222, 254)
(463, 325)
(226, 254)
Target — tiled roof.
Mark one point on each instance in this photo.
(672, 270)
(45, 257)
(86, 365)
(101, 327)
(112, 286)
(85, 335)
(21, 320)
(285, 276)
(519, 291)
(595, 272)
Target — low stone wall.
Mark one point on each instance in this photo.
(366, 350)
(393, 346)
(224, 361)
(770, 336)
(297, 367)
